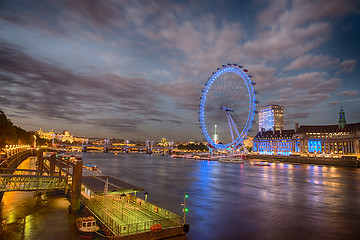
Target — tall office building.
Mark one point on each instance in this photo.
(271, 117)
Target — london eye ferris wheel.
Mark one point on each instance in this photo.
(227, 107)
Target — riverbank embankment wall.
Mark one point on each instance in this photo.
(344, 161)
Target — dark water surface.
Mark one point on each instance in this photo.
(232, 201)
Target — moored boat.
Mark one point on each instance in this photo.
(231, 160)
(91, 167)
(87, 226)
(261, 164)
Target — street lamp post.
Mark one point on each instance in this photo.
(146, 196)
(34, 142)
(185, 209)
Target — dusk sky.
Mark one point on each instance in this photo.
(136, 69)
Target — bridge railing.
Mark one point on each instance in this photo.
(18, 171)
(10, 182)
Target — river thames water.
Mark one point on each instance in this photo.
(233, 201)
(226, 201)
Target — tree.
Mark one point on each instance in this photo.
(11, 134)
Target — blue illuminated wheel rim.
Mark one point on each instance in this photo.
(227, 107)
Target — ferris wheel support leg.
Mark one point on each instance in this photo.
(210, 151)
(228, 117)
(232, 121)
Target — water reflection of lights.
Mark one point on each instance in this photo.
(28, 228)
(315, 181)
(325, 183)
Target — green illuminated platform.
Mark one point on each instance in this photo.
(124, 214)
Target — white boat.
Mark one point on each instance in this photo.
(87, 226)
(261, 164)
(91, 167)
(231, 160)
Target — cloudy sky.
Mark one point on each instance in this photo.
(135, 69)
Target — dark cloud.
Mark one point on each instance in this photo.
(119, 125)
(97, 11)
(348, 93)
(63, 17)
(42, 88)
(298, 116)
(331, 103)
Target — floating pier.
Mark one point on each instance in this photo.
(124, 216)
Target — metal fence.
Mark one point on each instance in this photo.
(127, 215)
(10, 182)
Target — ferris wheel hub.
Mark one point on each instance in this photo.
(227, 109)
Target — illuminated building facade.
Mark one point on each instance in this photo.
(66, 136)
(46, 135)
(321, 139)
(274, 142)
(328, 139)
(271, 117)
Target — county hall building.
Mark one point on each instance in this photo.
(317, 139)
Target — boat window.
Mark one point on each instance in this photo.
(89, 224)
(84, 224)
(93, 223)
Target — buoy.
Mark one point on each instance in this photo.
(154, 227)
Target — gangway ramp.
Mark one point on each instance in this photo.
(15, 182)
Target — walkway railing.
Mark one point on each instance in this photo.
(10, 182)
(12, 160)
(18, 171)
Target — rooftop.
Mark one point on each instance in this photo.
(97, 185)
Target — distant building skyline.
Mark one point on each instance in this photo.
(65, 136)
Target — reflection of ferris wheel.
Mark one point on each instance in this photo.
(227, 107)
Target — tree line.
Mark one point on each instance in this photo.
(11, 134)
(193, 147)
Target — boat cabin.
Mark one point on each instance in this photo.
(87, 225)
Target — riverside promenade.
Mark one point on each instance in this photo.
(343, 161)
